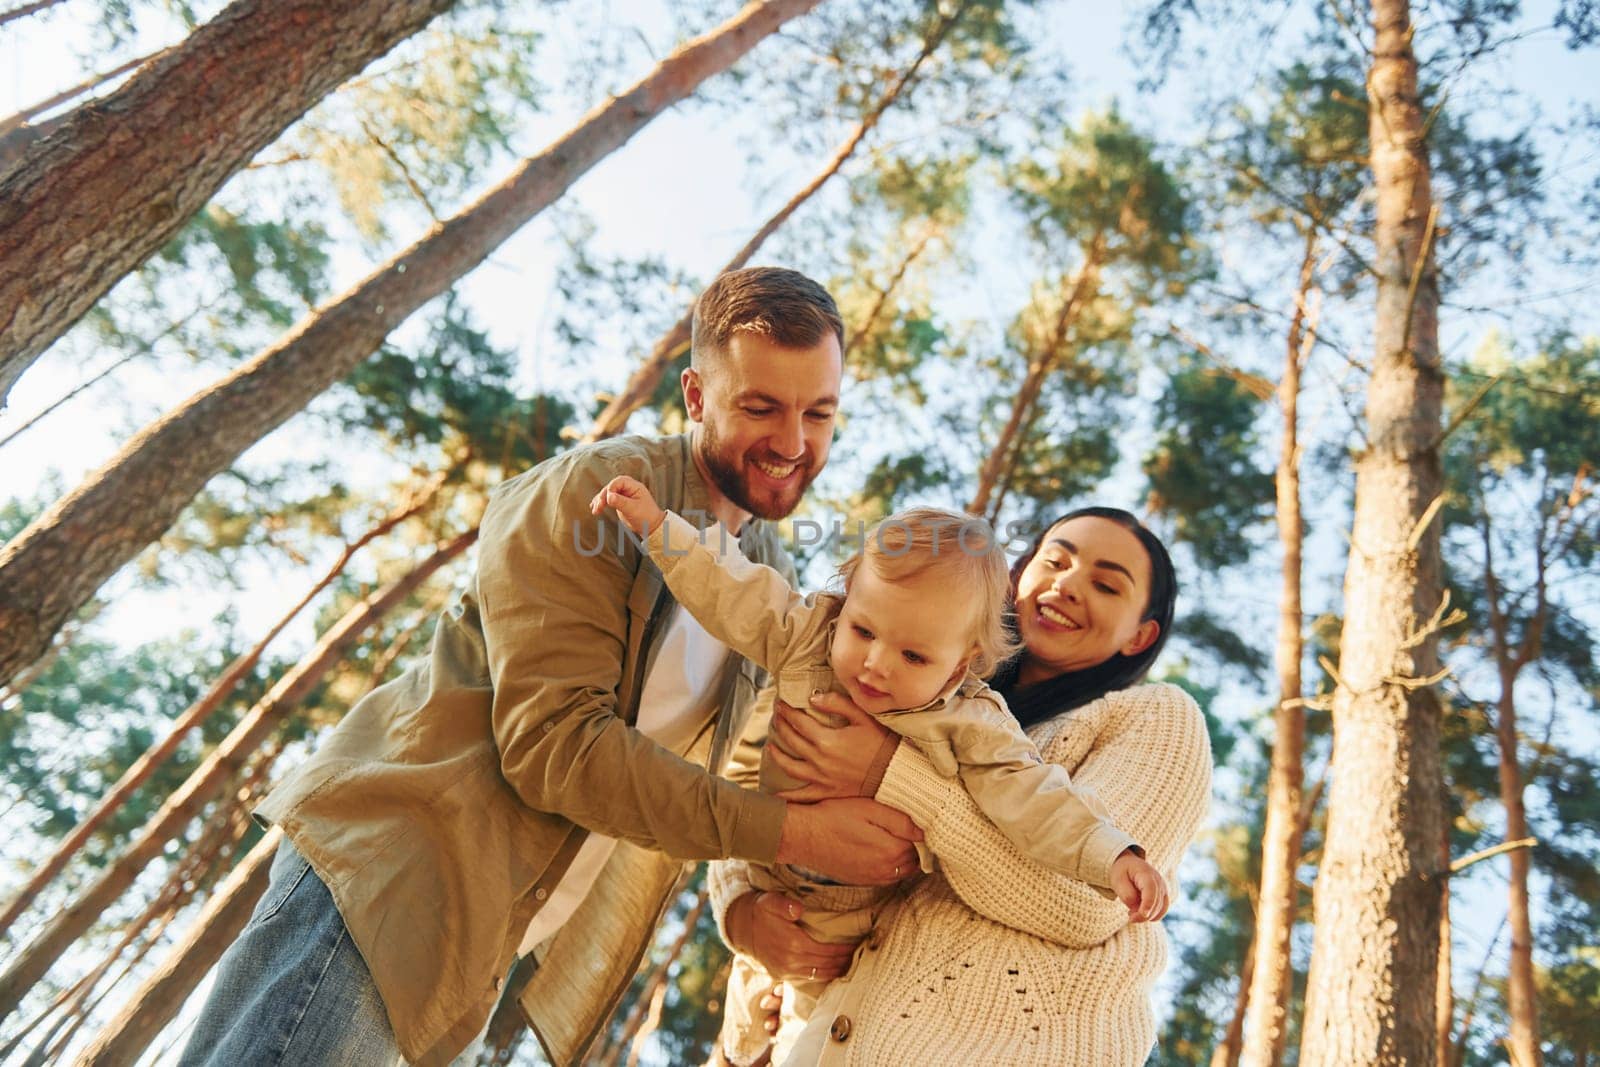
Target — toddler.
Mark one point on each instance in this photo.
(920, 623)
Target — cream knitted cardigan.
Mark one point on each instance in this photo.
(997, 959)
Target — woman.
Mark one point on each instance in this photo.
(996, 959)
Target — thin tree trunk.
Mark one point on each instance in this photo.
(156, 1002)
(1226, 1054)
(1370, 993)
(33, 961)
(1444, 997)
(642, 383)
(197, 713)
(996, 466)
(92, 82)
(57, 563)
(633, 1026)
(97, 197)
(162, 905)
(881, 298)
(25, 10)
(507, 1024)
(1267, 1026)
(1522, 1004)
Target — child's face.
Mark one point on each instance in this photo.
(899, 644)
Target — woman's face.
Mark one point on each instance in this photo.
(1081, 598)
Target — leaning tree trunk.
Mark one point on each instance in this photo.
(1267, 1020)
(54, 566)
(1370, 994)
(153, 1004)
(32, 962)
(642, 383)
(996, 467)
(93, 200)
(1226, 1052)
(197, 713)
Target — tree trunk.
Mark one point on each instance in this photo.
(881, 297)
(25, 10)
(507, 1024)
(33, 961)
(995, 467)
(197, 713)
(1522, 1006)
(97, 197)
(642, 384)
(1370, 994)
(93, 82)
(1444, 996)
(1226, 1054)
(635, 1027)
(1267, 1024)
(1521, 990)
(57, 563)
(154, 1004)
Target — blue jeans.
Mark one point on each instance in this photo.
(293, 989)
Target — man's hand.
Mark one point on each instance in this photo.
(632, 501)
(855, 841)
(1139, 886)
(765, 927)
(834, 761)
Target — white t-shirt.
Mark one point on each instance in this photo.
(673, 706)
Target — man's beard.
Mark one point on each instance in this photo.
(729, 474)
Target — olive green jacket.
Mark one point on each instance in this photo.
(450, 801)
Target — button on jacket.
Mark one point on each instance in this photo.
(450, 801)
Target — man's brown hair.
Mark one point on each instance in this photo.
(783, 305)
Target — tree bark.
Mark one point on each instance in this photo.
(1370, 993)
(635, 1027)
(153, 1005)
(32, 962)
(1226, 1054)
(197, 713)
(26, 115)
(1444, 995)
(1522, 1005)
(98, 196)
(25, 10)
(1267, 1022)
(57, 563)
(642, 383)
(996, 467)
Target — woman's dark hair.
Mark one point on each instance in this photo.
(1035, 703)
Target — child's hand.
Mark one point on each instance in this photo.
(632, 501)
(1139, 886)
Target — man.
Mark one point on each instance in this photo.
(457, 812)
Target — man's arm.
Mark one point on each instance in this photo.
(555, 617)
(555, 611)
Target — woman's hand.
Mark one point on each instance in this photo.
(834, 761)
(766, 927)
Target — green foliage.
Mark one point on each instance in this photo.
(1106, 197)
(1300, 157)
(453, 388)
(95, 710)
(235, 278)
(1205, 470)
(421, 128)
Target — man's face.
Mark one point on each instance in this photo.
(765, 415)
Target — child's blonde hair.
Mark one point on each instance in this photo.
(951, 547)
